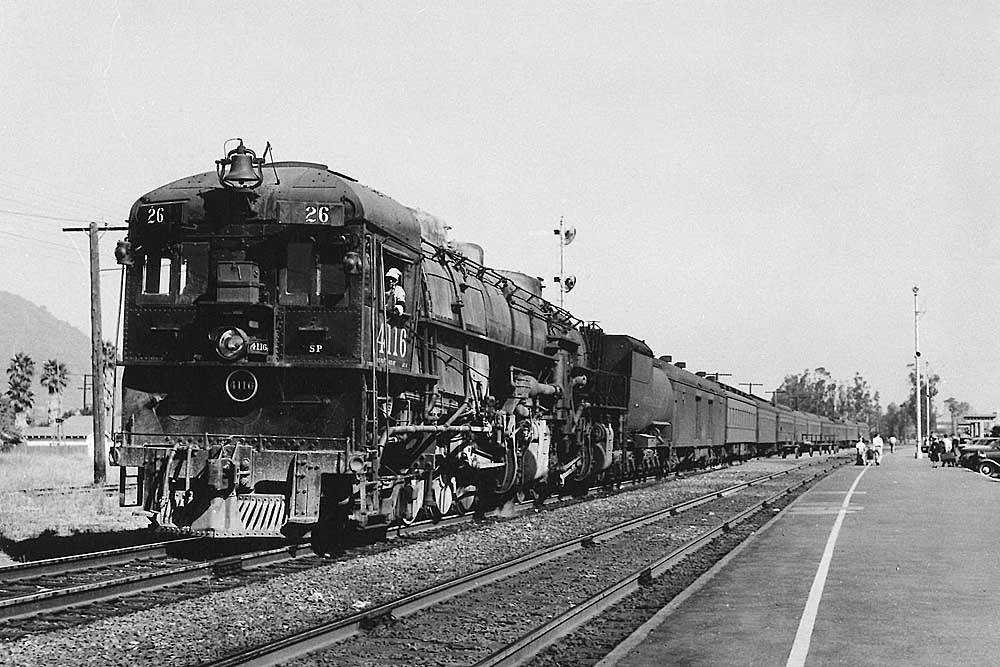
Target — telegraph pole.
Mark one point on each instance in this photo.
(751, 385)
(96, 350)
(97, 357)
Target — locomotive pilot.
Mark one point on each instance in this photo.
(395, 296)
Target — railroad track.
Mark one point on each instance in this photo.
(32, 593)
(43, 595)
(109, 490)
(414, 628)
(63, 592)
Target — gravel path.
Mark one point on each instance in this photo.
(192, 631)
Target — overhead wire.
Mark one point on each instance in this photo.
(47, 190)
(52, 204)
(45, 217)
(63, 248)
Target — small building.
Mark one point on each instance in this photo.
(977, 426)
(74, 434)
(69, 432)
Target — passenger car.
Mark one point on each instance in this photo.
(982, 455)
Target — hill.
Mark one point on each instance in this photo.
(27, 327)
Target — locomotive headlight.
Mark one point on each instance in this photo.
(232, 344)
(356, 464)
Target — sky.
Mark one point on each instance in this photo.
(756, 187)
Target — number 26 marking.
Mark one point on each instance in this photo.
(320, 214)
(154, 215)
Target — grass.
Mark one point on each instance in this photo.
(38, 468)
(26, 516)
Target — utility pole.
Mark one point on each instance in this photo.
(96, 350)
(916, 368)
(751, 385)
(928, 376)
(85, 387)
(97, 357)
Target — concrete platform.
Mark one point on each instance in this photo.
(891, 565)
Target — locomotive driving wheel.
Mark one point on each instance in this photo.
(464, 499)
(585, 450)
(407, 498)
(443, 492)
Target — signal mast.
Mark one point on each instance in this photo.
(566, 283)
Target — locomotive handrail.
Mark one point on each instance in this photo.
(195, 440)
(564, 317)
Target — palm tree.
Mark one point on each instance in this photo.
(55, 377)
(20, 373)
(108, 365)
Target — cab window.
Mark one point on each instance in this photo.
(296, 277)
(332, 281)
(156, 275)
(193, 271)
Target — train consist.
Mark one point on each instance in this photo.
(277, 381)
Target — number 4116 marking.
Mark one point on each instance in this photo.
(395, 344)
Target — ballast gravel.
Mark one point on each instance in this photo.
(205, 628)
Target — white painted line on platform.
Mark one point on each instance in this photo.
(797, 657)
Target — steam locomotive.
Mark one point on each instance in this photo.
(269, 388)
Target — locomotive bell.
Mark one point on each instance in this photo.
(241, 168)
(241, 171)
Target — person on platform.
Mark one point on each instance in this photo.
(877, 446)
(869, 452)
(948, 453)
(862, 447)
(935, 449)
(395, 296)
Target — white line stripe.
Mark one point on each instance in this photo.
(797, 657)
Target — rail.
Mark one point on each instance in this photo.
(325, 635)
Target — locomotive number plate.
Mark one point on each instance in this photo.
(311, 213)
(259, 347)
(241, 385)
(393, 345)
(159, 214)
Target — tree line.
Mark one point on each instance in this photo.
(18, 401)
(816, 391)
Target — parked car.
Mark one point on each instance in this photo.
(982, 455)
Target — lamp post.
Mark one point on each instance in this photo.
(927, 375)
(916, 367)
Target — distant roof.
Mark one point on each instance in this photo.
(75, 426)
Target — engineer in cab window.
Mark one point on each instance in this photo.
(395, 296)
